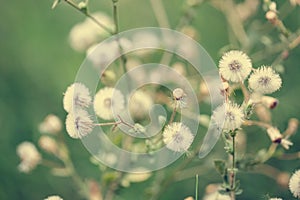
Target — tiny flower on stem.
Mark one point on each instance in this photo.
(235, 66)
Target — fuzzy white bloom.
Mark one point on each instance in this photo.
(51, 124)
(235, 66)
(140, 104)
(79, 123)
(85, 34)
(48, 144)
(177, 137)
(228, 116)
(53, 197)
(264, 80)
(275, 198)
(77, 95)
(29, 156)
(107, 102)
(294, 184)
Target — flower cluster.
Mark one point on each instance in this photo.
(76, 99)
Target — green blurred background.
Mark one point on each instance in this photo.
(37, 64)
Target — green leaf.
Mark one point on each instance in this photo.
(220, 166)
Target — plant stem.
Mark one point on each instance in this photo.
(196, 187)
(173, 113)
(257, 123)
(90, 16)
(160, 13)
(233, 171)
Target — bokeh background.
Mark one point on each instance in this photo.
(37, 64)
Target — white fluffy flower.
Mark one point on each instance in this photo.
(79, 123)
(235, 66)
(228, 116)
(29, 156)
(107, 102)
(294, 184)
(140, 104)
(264, 80)
(177, 137)
(53, 197)
(275, 198)
(87, 33)
(77, 95)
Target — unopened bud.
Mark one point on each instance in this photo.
(203, 89)
(283, 179)
(274, 135)
(263, 113)
(292, 126)
(178, 94)
(94, 190)
(51, 124)
(271, 16)
(269, 102)
(108, 78)
(48, 144)
(273, 7)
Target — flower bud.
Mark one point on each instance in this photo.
(51, 124)
(178, 94)
(48, 144)
(271, 16)
(269, 102)
(274, 135)
(292, 126)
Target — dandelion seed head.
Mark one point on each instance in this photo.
(79, 124)
(177, 137)
(294, 184)
(107, 101)
(77, 95)
(235, 66)
(264, 80)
